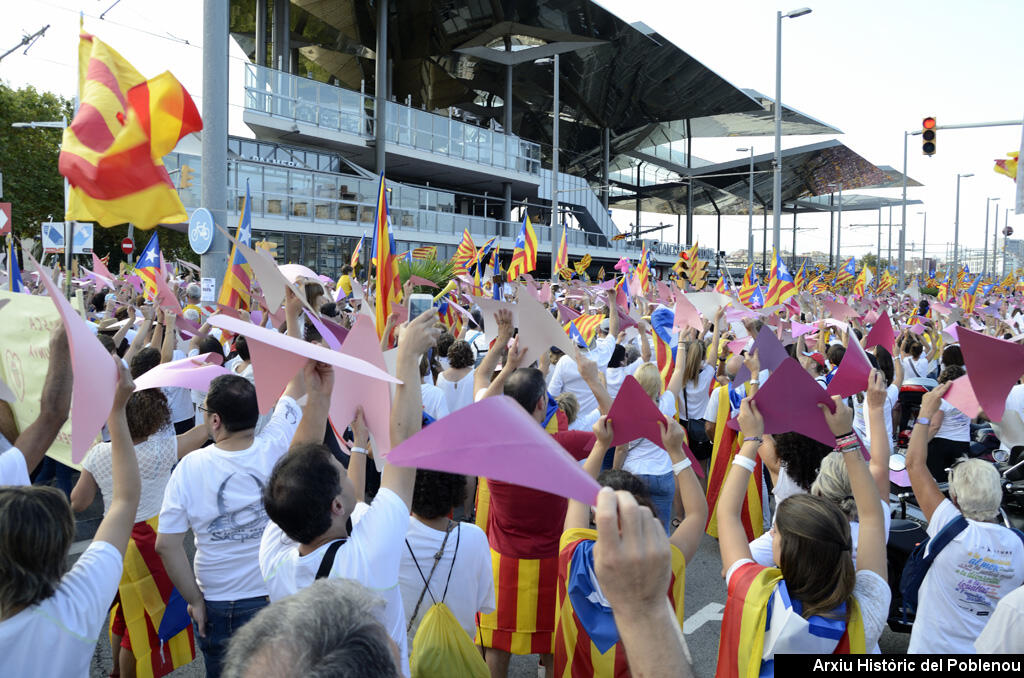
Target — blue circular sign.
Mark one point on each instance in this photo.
(200, 230)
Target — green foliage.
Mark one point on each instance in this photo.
(437, 272)
(931, 291)
(28, 157)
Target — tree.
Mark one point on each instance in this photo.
(870, 260)
(28, 157)
(33, 184)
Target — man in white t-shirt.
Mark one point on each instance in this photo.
(309, 497)
(979, 566)
(566, 373)
(217, 492)
(17, 461)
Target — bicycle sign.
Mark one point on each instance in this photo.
(200, 230)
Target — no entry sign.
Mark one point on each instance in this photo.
(127, 246)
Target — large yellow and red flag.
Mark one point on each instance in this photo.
(562, 256)
(388, 285)
(465, 254)
(1008, 165)
(524, 255)
(112, 152)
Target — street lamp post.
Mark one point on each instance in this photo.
(839, 227)
(984, 243)
(750, 215)
(956, 223)
(777, 178)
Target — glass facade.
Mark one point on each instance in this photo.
(288, 96)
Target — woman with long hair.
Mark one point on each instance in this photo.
(816, 601)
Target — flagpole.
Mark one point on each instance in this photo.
(10, 264)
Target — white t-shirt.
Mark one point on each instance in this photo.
(647, 457)
(471, 588)
(157, 455)
(13, 468)
(916, 369)
(614, 376)
(955, 424)
(1002, 634)
(1014, 403)
(459, 393)
(179, 400)
(434, 402)
(696, 394)
(219, 494)
(371, 556)
(860, 423)
(872, 594)
(57, 636)
(959, 593)
(566, 374)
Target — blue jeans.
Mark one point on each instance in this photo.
(663, 489)
(223, 619)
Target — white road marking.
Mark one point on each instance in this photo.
(711, 612)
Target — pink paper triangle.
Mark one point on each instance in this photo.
(961, 396)
(496, 438)
(839, 310)
(853, 373)
(881, 334)
(634, 415)
(360, 390)
(195, 373)
(798, 329)
(95, 373)
(788, 401)
(994, 365)
(686, 315)
(100, 271)
(565, 314)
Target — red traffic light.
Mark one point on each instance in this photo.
(928, 123)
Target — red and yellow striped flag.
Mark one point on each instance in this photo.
(388, 284)
(726, 444)
(112, 152)
(562, 256)
(465, 254)
(429, 252)
(663, 357)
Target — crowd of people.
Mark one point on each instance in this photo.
(315, 556)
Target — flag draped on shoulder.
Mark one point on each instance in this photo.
(524, 256)
(112, 152)
(388, 286)
(234, 291)
(727, 443)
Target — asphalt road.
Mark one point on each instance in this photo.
(705, 600)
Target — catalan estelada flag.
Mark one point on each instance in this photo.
(388, 285)
(424, 253)
(149, 265)
(722, 286)
(800, 279)
(587, 642)
(969, 298)
(234, 291)
(758, 603)
(524, 256)
(160, 631)
(465, 254)
(846, 273)
(749, 285)
(562, 256)
(355, 253)
(585, 326)
(781, 285)
(726, 444)
(112, 152)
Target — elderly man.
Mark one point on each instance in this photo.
(193, 298)
(982, 563)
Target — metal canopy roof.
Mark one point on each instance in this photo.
(807, 171)
(633, 79)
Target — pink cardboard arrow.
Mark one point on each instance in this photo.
(788, 401)
(961, 396)
(995, 366)
(95, 373)
(853, 373)
(881, 334)
(276, 358)
(634, 415)
(195, 373)
(496, 438)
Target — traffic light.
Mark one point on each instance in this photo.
(187, 174)
(928, 136)
(698, 274)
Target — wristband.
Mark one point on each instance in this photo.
(755, 382)
(923, 420)
(357, 450)
(753, 439)
(744, 462)
(681, 466)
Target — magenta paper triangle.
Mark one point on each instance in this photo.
(995, 366)
(853, 373)
(686, 315)
(961, 396)
(634, 415)
(329, 337)
(195, 373)
(770, 352)
(881, 334)
(496, 439)
(95, 373)
(798, 329)
(788, 401)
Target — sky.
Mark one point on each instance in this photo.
(871, 68)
